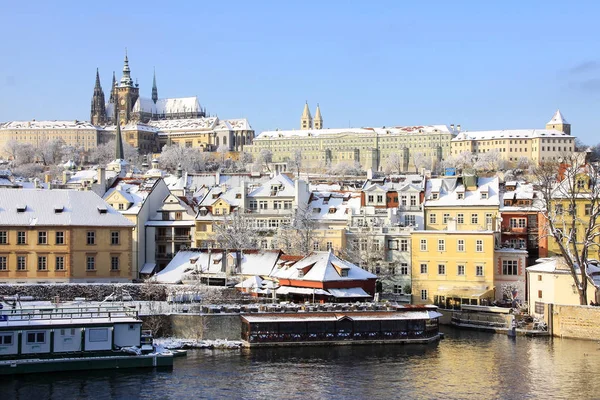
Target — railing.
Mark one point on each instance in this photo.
(173, 237)
(64, 313)
(409, 208)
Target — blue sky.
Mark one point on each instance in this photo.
(484, 65)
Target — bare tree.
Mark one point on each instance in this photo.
(393, 163)
(461, 161)
(420, 160)
(235, 231)
(363, 248)
(263, 160)
(489, 161)
(49, 151)
(295, 164)
(570, 192)
(190, 159)
(11, 147)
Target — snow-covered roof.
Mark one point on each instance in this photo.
(167, 106)
(183, 263)
(39, 207)
(333, 316)
(557, 118)
(283, 182)
(70, 124)
(447, 189)
(398, 130)
(334, 206)
(323, 267)
(522, 191)
(510, 134)
(258, 262)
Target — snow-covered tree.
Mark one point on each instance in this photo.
(295, 163)
(190, 159)
(103, 154)
(235, 231)
(263, 161)
(393, 163)
(461, 161)
(11, 147)
(74, 153)
(345, 169)
(570, 194)
(49, 151)
(489, 161)
(420, 161)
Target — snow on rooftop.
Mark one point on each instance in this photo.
(557, 118)
(399, 130)
(285, 187)
(70, 124)
(322, 268)
(509, 134)
(449, 188)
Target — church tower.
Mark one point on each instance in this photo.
(318, 121)
(127, 94)
(154, 89)
(98, 111)
(306, 121)
(559, 123)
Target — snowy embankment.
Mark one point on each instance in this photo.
(174, 343)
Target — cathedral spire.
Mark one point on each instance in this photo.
(98, 109)
(119, 154)
(112, 89)
(318, 121)
(126, 79)
(154, 89)
(306, 120)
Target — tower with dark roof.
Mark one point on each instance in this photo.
(127, 93)
(154, 89)
(98, 109)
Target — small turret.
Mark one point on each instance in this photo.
(154, 89)
(306, 119)
(126, 80)
(318, 121)
(559, 123)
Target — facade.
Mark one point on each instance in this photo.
(450, 268)
(370, 147)
(534, 145)
(62, 236)
(510, 275)
(78, 134)
(466, 203)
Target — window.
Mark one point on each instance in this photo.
(397, 289)
(588, 211)
(262, 204)
(539, 278)
(434, 196)
(423, 268)
(479, 246)
(43, 237)
(91, 263)
(424, 294)
(60, 263)
(277, 205)
(432, 218)
(36, 337)
(114, 263)
(6, 339)
(413, 200)
(330, 245)
(518, 222)
(287, 205)
(558, 209)
(403, 244)
(114, 237)
(510, 267)
(60, 238)
(488, 221)
(484, 195)
(423, 244)
(446, 218)
(460, 245)
(121, 206)
(393, 244)
(460, 218)
(178, 216)
(264, 244)
(91, 237)
(410, 220)
(460, 196)
(479, 270)
(21, 237)
(42, 263)
(460, 270)
(441, 269)
(474, 219)
(371, 198)
(165, 216)
(3, 237)
(315, 245)
(539, 294)
(441, 245)
(379, 198)
(3, 263)
(252, 205)
(404, 269)
(98, 334)
(21, 263)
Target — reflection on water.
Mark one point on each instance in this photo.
(472, 365)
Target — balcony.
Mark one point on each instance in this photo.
(518, 230)
(271, 211)
(172, 238)
(409, 208)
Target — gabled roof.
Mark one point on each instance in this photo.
(79, 208)
(264, 190)
(447, 188)
(557, 119)
(322, 266)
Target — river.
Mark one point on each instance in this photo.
(465, 365)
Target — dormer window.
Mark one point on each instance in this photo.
(332, 210)
(344, 273)
(238, 196)
(460, 196)
(102, 209)
(435, 196)
(484, 195)
(21, 208)
(58, 209)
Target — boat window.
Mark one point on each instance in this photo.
(98, 335)
(6, 339)
(36, 337)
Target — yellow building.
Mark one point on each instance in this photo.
(79, 134)
(466, 203)
(450, 268)
(61, 235)
(513, 145)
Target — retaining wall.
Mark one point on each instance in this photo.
(577, 322)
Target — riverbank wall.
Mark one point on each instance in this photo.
(574, 322)
(206, 326)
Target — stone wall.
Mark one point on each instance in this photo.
(206, 326)
(577, 322)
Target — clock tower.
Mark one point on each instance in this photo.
(127, 94)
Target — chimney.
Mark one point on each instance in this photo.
(458, 127)
(217, 177)
(179, 171)
(451, 127)
(65, 177)
(47, 178)
(370, 173)
(101, 177)
(36, 183)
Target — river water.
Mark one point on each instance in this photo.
(465, 365)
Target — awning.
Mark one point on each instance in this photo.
(148, 268)
(300, 290)
(464, 292)
(349, 293)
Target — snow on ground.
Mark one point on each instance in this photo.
(175, 343)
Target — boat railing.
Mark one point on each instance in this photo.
(66, 313)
